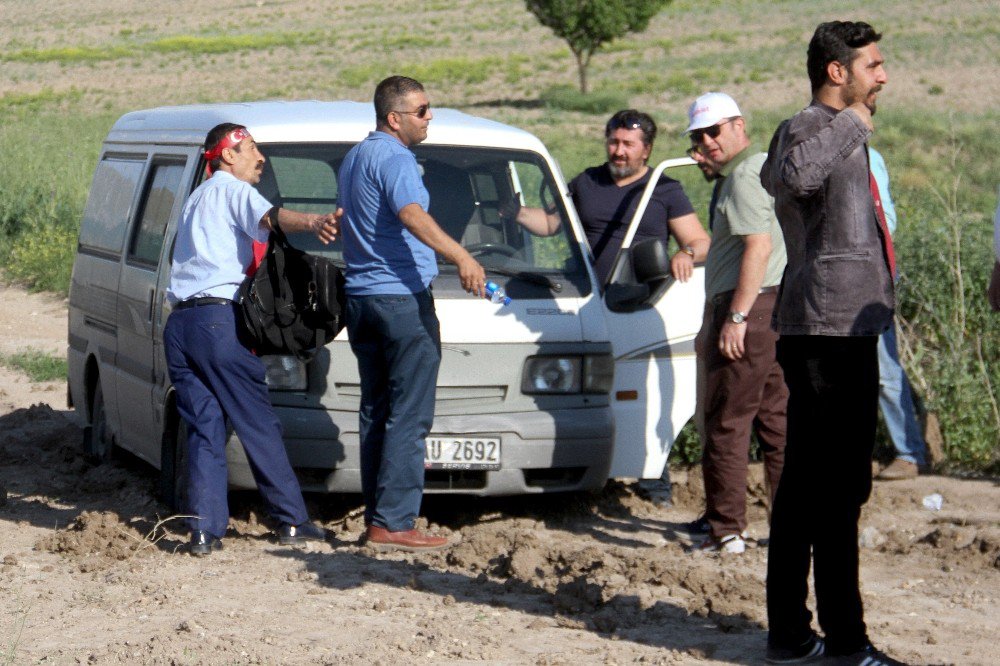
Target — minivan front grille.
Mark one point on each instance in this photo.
(439, 479)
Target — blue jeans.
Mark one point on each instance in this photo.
(896, 402)
(216, 378)
(397, 342)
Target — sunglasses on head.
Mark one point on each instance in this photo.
(711, 132)
(624, 123)
(421, 111)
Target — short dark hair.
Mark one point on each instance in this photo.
(388, 94)
(215, 135)
(632, 119)
(836, 41)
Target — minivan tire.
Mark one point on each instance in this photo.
(97, 443)
(173, 466)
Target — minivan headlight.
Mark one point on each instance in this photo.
(564, 374)
(285, 373)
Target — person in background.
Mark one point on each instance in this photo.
(216, 378)
(389, 246)
(740, 384)
(836, 299)
(895, 396)
(607, 196)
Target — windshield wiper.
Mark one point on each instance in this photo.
(536, 278)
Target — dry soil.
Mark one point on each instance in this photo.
(93, 570)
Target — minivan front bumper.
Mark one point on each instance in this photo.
(551, 451)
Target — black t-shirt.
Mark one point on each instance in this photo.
(606, 210)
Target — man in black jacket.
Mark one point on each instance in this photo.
(836, 298)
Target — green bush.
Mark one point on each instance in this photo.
(46, 172)
(567, 98)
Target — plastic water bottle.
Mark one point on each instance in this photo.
(496, 293)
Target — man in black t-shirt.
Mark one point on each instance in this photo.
(607, 196)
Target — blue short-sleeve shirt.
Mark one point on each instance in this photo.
(378, 178)
(215, 235)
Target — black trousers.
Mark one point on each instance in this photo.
(832, 411)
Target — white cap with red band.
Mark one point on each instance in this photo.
(710, 109)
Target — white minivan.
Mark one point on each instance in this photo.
(571, 383)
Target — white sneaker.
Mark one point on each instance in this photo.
(730, 543)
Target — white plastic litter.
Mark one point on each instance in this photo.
(933, 502)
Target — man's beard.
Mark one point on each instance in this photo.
(621, 172)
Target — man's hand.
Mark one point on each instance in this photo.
(731, 339)
(509, 209)
(472, 275)
(326, 227)
(682, 266)
(864, 113)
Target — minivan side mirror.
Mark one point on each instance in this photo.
(650, 261)
(640, 277)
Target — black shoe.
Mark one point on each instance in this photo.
(294, 535)
(868, 656)
(809, 652)
(696, 527)
(203, 543)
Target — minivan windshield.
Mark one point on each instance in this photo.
(501, 205)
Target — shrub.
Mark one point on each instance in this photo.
(567, 98)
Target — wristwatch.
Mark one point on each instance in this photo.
(688, 250)
(738, 317)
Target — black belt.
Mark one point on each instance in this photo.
(728, 295)
(204, 300)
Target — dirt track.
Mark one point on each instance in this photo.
(87, 577)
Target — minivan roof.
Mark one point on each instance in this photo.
(306, 122)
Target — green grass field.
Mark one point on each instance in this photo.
(66, 81)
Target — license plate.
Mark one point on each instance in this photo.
(460, 453)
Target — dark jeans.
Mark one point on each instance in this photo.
(217, 378)
(397, 342)
(832, 409)
(735, 398)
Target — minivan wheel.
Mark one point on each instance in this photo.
(173, 467)
(97, 445)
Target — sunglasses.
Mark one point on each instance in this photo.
(421, 111)
(623, 124)
(711, 132)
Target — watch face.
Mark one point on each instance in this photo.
(737, 317)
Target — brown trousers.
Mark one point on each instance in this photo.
(735, 397)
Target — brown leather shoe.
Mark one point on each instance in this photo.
(413, 541)
(898, 470)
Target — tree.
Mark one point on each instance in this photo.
(587, 25)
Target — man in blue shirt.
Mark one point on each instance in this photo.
(895, 397)
(389, 246)
(215, 377)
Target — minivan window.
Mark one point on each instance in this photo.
(305, 182)
(162, 190)
(110, 203)
(468, 187)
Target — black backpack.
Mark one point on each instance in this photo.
(292, 303)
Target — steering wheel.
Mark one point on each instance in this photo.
(485, 248)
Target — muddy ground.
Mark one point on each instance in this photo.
(93, 569)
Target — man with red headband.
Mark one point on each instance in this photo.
(217, 379)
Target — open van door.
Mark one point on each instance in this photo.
(652, 320)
